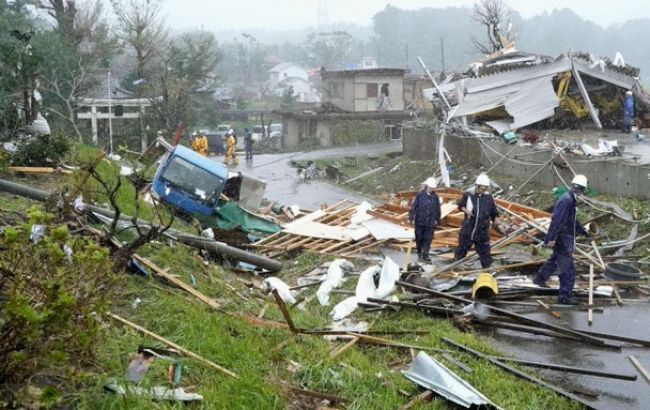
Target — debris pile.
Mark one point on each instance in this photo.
(347, 229)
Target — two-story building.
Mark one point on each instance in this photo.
(376, 89)
(364, 105)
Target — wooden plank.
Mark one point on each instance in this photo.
(590, 309)
(617, 295)
(174, 280)
(40, 170)
(548, 310)
(285, 312)
(420, 398)
(639, 367)
(172, 344)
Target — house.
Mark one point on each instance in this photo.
(302, 89)
(286, 70)
(376, 89)
(358, 106)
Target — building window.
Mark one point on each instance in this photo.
(336, 90)
(372, 90)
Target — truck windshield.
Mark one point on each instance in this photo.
(192, 179)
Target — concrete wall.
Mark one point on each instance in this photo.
(605, 175)
(354, 96)
(345, 103)
(419, 142)
(395, 92)
(290, 132)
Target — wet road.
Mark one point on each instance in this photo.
(627, 320)
(283, 185)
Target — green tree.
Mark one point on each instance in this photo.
(185, 79)
(19, 67)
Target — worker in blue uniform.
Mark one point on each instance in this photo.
(425, 215)
(628, 111)
(561, 236)
(480, 211)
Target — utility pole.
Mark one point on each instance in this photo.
(378, 56)
(110, 116)
(406, 51)
(442, 53)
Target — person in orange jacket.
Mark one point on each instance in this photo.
(230, 153)
(200, 144)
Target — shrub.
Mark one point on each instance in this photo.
(46, 150)
(49, 299)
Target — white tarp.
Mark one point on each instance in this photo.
(306, 226)
(380, 230)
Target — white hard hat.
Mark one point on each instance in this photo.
(430, 182)
(580, 180)
(629, 92)
(483, 180)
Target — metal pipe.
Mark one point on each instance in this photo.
(569, 369)
(582, 336)
(210, 245)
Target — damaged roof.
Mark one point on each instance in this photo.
(398, 72)
(523, 83)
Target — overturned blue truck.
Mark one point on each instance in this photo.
(197, 187)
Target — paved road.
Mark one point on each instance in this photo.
(283, 185)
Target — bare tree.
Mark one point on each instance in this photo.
(142, 27)
(76, 20)
(492, 14)
(67, 88)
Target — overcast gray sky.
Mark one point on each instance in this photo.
(217, 15)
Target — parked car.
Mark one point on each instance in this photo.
(275, 131)
(222, 129)
(259, 132)
(216, 143)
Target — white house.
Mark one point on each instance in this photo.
(286, 70)
(302, 89)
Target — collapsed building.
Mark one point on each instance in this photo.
(513, 89)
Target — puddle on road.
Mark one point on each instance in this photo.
(627, 320)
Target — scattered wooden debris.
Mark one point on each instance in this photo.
(172, 344)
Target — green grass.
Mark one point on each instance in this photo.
(368, 376)
(363, 374)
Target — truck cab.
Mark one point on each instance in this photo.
(196, 185)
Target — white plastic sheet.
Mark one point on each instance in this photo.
(366, 288)
(332, 280)
(273, 283)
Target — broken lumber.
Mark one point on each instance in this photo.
(318, 395)
(40, 170)
(364, 174)
(548, 310)
(639, 367)
(590, 309)
(158, 271)
(519, 373)
(523, 319)
(172, 344)
(420, 398)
